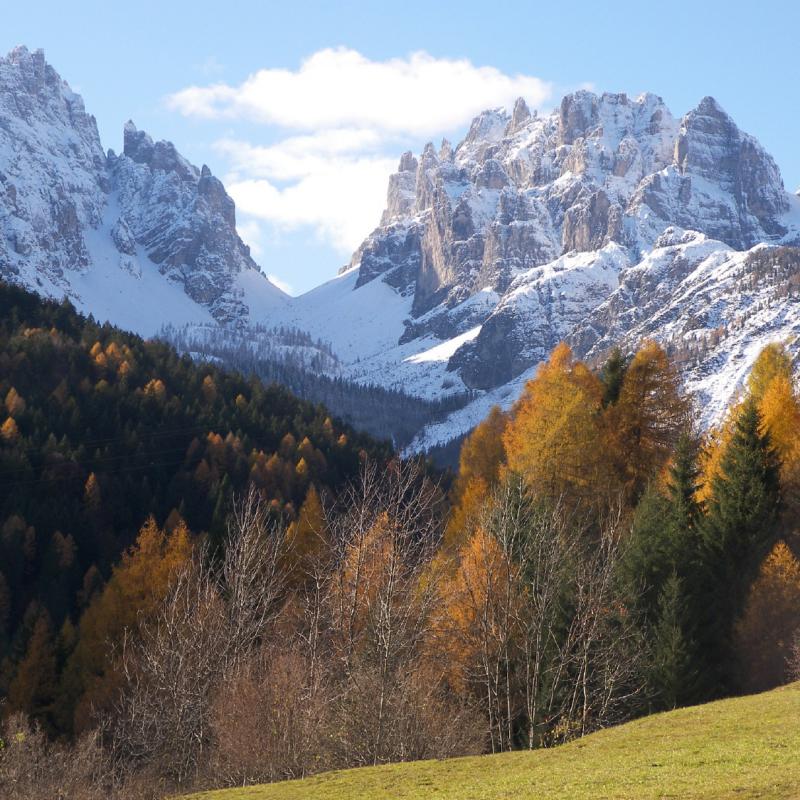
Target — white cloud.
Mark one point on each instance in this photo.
(341, 121)
(342, 200)
(297, 156)
(419, 96)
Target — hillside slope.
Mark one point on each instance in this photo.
(100, 429)
(745, 747)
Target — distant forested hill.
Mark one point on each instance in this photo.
(100, 429)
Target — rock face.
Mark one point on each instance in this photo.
(66, 206)
(184, 220)
(53, 179)
(549, 212)
(603, 222)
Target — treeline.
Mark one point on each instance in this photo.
(771, 274)
(99, 431)
(261, 342)
(708, 569)
(597, 558)
(293, 359)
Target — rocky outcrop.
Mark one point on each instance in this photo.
(541, 307)
(721, 182)
(522, 192)
(53, 181)
(66, 206)
(184, 220)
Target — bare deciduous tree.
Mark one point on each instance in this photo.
(210, 623)
(548, 644)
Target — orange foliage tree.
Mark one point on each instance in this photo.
(649, 417)
(555, 437)
(135, 591)
(771, 620)
(481, 462)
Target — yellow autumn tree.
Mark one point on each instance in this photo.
(554, 437)
(137, 586)
(771, 385)
(481, 460)
(15, 404)
(478, 599)
(714, 447)
(359, 580)
(771, 620)
(773, 361)
(651, 413)
(155, 388)
(9, 432)
(306, 537)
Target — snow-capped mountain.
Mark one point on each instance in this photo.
(606, 221)
(138, 238)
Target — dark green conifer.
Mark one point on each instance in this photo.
(673, 674)
(737, 533)
(612, 376)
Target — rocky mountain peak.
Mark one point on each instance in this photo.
(53, 180)
(577, 114)
(72, 215)
(519, 115)
(407, 162)
(583, 191)
(140, 148)
(725, 183)
(35, 75)
(486, 129)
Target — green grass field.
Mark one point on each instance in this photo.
(742, 748)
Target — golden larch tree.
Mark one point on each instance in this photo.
(554, 438)
(771, 620)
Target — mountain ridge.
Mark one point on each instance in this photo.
(72, 216)
(606, 220)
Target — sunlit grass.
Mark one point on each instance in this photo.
(744, 748)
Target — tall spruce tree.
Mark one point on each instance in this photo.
(660, 572)
(737, 533)
(673, 675)
(612, 376)
(665, 537)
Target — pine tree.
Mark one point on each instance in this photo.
(683, 483)
(673, 675)
(664, 535)
(33, 688)
(737, 532)
(612, 375)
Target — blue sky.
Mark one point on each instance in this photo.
(305, 149)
